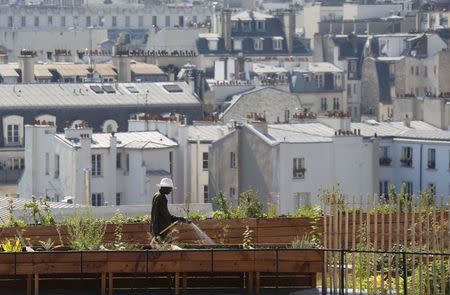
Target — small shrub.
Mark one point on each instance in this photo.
(272, 210)
(249, 206)
(195, 216)
(12, 221)
(223, 205)
(307, 241)
(48, 245)
(85, 232)
(308, 211)
(247, 238)
(10, 246)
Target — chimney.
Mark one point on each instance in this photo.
(288, 20)
(407, 121)
(62, 55)
(261, 126)
(226, 28)
(121, 61)
(26, 59)
(3, 58)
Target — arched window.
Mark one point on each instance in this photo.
(110, 126)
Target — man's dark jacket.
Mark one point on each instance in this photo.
(161, 217)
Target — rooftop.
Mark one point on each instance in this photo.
(206, 132)
(128, 140)
(72, 95)
(250, 15)
(319, 67)
(418, 130)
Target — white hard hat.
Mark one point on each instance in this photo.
(166, 182)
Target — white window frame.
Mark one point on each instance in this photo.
(205, 193)
(97, 199)
(298, 168)
(205, 161)
(258, 44)
(260, 26)
(233, 161)
(383, 188)
(431, 158)
(13, 134)
(57, 163)
(278, 44)
(96, 163)
(301, 199)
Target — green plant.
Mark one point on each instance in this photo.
(307, 241)
(85, 232)
(308, 211)
(118, 218)
(33, 209)
(272, 210)
(46, 216)
(222, 237)
(10, 246)
(48, 245)
(12, 221)
(195, 216)
(249, 206)
(247, 238)
(223, 206)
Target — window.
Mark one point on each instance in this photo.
(36, 21)
(205, 161)
(127, 162)
(141, 21)
(56, 174)
(10, 21)
(13, 134)
(194, 19)
(63, 21)
(154, 20)
(384, 188)
(425, 71)
(298, 168)
(114, 21)
(349, 90)
(47, 160)
(16, 163)
(412, 70)
(434, 70)
(336, 105)
(352, 66)
(302, 200)
(97, 199)
(50, 20)
(323, 104)
(167, 20)
(234, 26)
(88, 21)
(232, 193)
(170, 163)
(232, 160)
(277, 44)
(181, 21)
(127, 21)
(408, 187)
(417, 70)
(385, 159)
(118, 160)
(101, 21)
(258, 42)
(205, 194)
(406, 159)
(23, 21)
(246, 27)
(260, 26)
(118, 197)
(431, 158)
(97, 165)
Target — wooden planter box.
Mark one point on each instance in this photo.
(265, 231)
(247, 267)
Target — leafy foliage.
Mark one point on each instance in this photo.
(11, 246)
(247, 238)
(85, 232)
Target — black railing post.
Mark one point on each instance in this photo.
(212, 270)
(405, 275)
(146, 271)
(15, 271)
(81, 267)
(276, 269)
(342, 273)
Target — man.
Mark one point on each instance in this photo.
(161, 217)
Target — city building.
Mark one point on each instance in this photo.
(107, 108)
(289, 164)
(96, 169)
(412, 154)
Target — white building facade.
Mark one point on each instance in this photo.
(96, 168)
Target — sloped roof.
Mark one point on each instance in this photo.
(206, 132)
(250, 15)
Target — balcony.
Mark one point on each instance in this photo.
(406, 162)
(385, 161)
(299, 173)
(431, 165)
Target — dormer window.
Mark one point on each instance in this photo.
(234, 26)
(278, 43)
(237, 44)
(246, 27)
(260, 26)
(258, 42)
